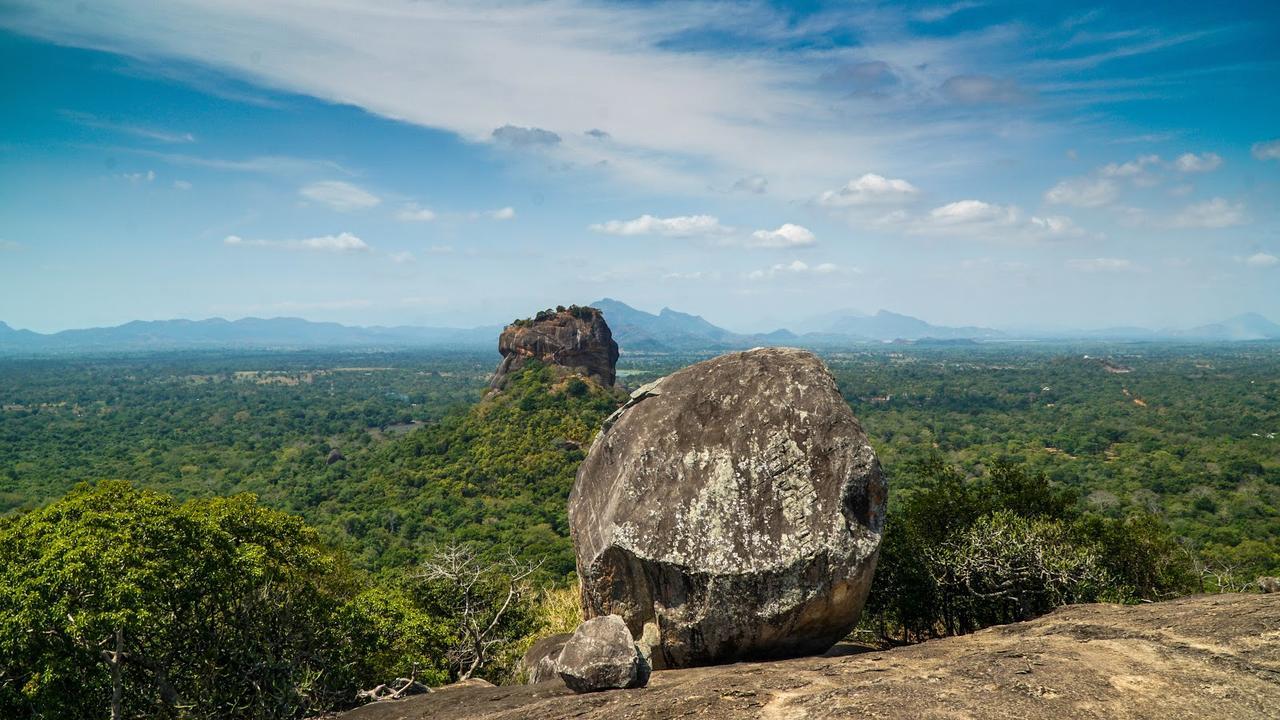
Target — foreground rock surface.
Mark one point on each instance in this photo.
(732, 510)
(1203, 657)
(602, 656)
(576, 339)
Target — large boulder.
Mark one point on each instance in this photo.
(602, 656)
(732, 510)
(575, 338)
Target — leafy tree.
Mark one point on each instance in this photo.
(123, 599)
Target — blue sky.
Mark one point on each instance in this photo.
(384, 162)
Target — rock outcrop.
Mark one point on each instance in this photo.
(1211, 656)
(602, 656)
(574, 338)
(731, 510)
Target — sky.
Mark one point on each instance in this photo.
(381, 162)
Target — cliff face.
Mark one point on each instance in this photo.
(1211, 656)
(576, 339)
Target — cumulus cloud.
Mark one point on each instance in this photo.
(679, 226)
(598, 134)
(412, 212)
(402, 258)
(340, 243)
(869, 189)
(1268, 150)
(1054, 227)
(1082, 192)
(795, 267)
(339, 195)
(986, 221)
(1130, 169)
(1262, 259)
(1215, 213)
(1100, 264)
(755, 184)
(181, 185)
(970, 212)
(977, 89)
(504, 213)
(786, 236)
(524, 137)
(1204, 162)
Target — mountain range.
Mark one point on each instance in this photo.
(635, 330)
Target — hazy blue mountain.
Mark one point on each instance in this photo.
(257, 333)
(1249, 326)
(885, 325)
(635, 331)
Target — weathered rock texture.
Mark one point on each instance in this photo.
(576, 339)
(539, 661)
(602, 656)
(1212, 656)
(731, 510)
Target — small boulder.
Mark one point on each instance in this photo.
(334, 456)
(1269, 584)
(602, 656)
(539, 661)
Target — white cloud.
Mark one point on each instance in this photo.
(679, 226)
(138, 177)
(1215, 213)
(505, 213)
(971, 212)
(694, 276)
(975, 89)
(786, 236)
(181, 185)
(340, 243)
(521, 137)
(440, 249)
(1268, 150)
(1131, 168)
(1204, 162)
(411, 212)
(986, 221)
(341, 196)
(795, 267)
(1262, 259)
(869, 189)
(1102, 264)
(93, 121)
(402, 258)
(754, 184)
(10, 246)
(676, 116)
(1082, 192)
(1055, 227)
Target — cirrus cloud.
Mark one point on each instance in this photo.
(339, 195)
